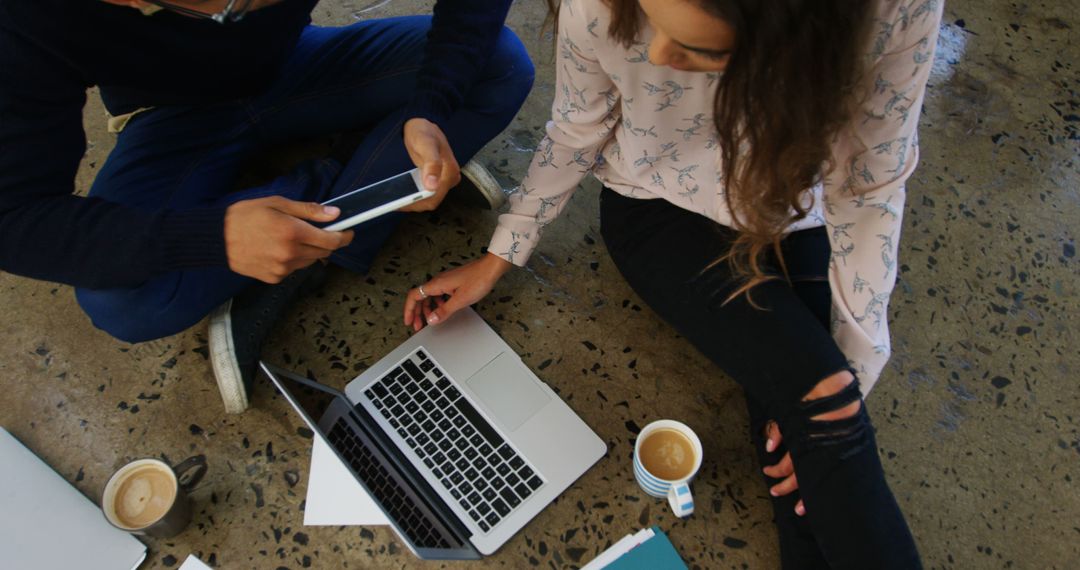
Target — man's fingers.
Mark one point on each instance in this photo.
(451, 172)
(275, 272)
(787, 486)
(310, 235)
(451, 176)
(782, 469)
(428, 155)
(432, 173)
(305, 210)
(800, 508)
(307, 253)
(346, 237)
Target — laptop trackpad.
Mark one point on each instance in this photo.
(509, 390)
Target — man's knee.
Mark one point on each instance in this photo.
(510, 47)
(511, 66)
(119, 313)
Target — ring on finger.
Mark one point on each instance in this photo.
(423, 295)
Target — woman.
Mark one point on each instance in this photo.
(754, 156)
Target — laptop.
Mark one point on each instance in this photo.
(40, 510)
(454, 438)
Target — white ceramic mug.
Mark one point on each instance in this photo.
(677, 491)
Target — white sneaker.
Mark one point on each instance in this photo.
(478, 187)
(239, 328)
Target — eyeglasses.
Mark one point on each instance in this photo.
(233, 11)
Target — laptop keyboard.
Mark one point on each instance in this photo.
(471, 460)
(393, 497)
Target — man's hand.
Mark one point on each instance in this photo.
(431, 153)
(465, 285)
(268, 238)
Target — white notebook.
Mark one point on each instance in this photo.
(39, 510)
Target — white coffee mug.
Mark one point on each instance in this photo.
(677, 490)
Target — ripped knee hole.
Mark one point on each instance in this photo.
(834, 398)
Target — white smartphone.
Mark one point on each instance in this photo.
(377, 199)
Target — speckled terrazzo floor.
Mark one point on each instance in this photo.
(976, 415)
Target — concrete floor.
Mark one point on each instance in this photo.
(976, 414)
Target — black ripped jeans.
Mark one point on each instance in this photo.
(778, 353)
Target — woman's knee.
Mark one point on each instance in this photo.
(835, 387)
(830, 415)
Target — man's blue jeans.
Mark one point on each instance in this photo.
(357, 77)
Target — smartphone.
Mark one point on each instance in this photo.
(377, 199)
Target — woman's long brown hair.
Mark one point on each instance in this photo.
(788, 90)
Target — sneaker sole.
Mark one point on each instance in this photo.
(485, 183)
(223, 361)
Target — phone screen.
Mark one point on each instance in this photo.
(371, 197)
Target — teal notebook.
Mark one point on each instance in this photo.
(657, 553)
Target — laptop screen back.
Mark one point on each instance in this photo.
(377, 464)
(39, 510)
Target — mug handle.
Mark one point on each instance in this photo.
(682, 503)
(190, 471)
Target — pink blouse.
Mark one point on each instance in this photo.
(647, 132)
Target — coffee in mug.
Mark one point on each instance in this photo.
(146, 497)
(667, 455)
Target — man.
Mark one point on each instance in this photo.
(197, 88)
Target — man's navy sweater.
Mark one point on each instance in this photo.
(52, 51)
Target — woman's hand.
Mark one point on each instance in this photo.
(465, 285)
(784, 469)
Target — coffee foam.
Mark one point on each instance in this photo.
(141, 496)
(668, 454)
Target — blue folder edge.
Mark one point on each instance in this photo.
(657, 553)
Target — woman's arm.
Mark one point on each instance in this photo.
(864, 193)
(584, 114)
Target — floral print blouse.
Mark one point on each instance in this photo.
(647, 132)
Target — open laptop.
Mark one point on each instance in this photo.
(455, 439)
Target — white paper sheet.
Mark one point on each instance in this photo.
(193, 563)
(626, 544)
(334, 497)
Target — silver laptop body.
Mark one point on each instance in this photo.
(453, 436)
(47, 524)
